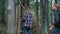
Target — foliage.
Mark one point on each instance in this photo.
(2, 22)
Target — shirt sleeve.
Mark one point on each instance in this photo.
(57, 23)
(24, 17)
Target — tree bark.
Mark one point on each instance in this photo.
(44, 15)
(11, 17)
(18, 20)
(58, 2)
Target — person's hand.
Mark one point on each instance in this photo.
(51, 27)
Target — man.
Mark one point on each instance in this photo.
(27, 20)
(55, 27)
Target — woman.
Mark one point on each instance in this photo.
(55, 27)
(27, 20)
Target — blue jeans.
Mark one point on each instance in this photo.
(26, 30)
(56, 31)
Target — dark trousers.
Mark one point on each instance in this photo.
(26, 30)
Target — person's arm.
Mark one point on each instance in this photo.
(57, 20)
(24, 17)
(51, 27)
(31, 21)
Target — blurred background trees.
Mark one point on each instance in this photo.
(11, 15)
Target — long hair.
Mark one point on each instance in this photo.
(58, 7)
(27, 8)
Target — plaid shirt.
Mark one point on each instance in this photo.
(27, 19)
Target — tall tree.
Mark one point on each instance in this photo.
(55, 1)
(17, 17)
(11, 17)
(44, 15)
(37, 5)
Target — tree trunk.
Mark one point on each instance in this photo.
(58, 1)
(11, 17)
(55, 1)
(44, 16)
(17, 20)
(5, 11)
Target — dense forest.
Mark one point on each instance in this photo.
(11, 15)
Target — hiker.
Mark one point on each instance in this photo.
(27, 20)
(55, 27)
